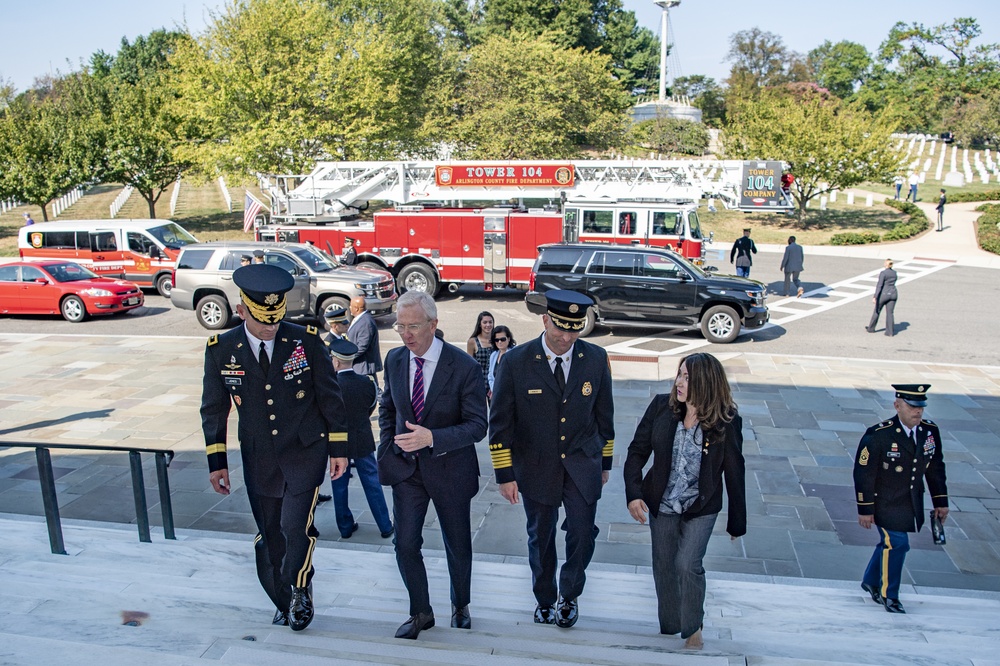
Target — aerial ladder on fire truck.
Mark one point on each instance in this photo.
(337, 191)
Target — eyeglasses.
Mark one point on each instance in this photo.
(500, 339)
(409, 328)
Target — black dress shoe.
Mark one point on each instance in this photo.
(869, 329)
(893, 606)
(545, 614)
(417, 623)
(460, 618)
(323, 498)
(567, 613)
(386, 535)
(280, 618)
(300, 611)
(354, 528)
(872, 590)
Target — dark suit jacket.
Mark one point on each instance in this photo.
(291, 421)
(454, 410)
(364, 334)
(889, 474)
(359, 401)
(536, 432)
(744, 246)
(722, 458)
(885, 290)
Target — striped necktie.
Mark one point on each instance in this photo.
(418, 390)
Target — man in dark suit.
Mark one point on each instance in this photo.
(942, 200)
(885, 297)
(432, 412)
(349, 256)
(893, 459)
(291, 424)
(359, 401)
(552, 439)
(740, 254)
(363, 332)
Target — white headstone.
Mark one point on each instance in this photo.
(954, 179)
(833, 196)
(822, 203)
(850, 198)
(869, 200)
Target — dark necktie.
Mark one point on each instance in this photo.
(560, 375)
(265, 362)
(418, 390)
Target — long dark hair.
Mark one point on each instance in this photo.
(708, 391)
(479, 323)
(506, 331)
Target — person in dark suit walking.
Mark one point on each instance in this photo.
(740, 254)
(695, 436)
(359, 393)
(431, 414)
(291, 425)
(552, 439)
(363, 332)
(791, 266)
(889, 488)
(885, 297)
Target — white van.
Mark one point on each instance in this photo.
(142, 251)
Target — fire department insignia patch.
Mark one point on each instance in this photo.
(587, 388)
(444, 175)
(863, 458)
(574, 308)
(564, 176)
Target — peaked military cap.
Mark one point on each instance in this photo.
(343, 349)
(337, 316)
(914, 395)
(567, 309)
(259, 254)
(246, 257)
(348, 240)
(262, 290)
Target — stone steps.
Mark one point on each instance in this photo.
(197, 599)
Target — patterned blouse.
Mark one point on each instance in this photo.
(483, 356)
(685, 466)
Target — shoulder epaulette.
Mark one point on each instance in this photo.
(927, 422)
(311, 330)
(213, 340)
(883, 425)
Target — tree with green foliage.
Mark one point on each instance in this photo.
(759, 60)
(634, 51)
(829, 144)
(977, 122)
(525, 97)
(840, 67)
(670, 136)
(706, 95)
(274, 85)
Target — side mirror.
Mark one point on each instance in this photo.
(41, 281)
(711, 236)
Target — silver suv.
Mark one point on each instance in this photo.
(203, 281)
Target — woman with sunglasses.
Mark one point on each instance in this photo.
(503, 342)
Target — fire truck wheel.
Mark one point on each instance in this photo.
(720, 324)
(164, 285)
(213, 312)
(417, 277)
(588, 323)
(73, 309)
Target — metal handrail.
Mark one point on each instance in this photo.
(47, 480)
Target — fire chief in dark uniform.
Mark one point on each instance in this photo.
(291, 424)
(551, 440)
(893, 459)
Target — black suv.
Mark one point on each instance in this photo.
(636, 285)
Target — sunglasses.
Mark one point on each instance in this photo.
(500, 339)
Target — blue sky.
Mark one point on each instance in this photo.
(39, 37)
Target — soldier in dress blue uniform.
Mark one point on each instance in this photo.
(338, 321)
(893, 459)
(291, 425)
(552, 439)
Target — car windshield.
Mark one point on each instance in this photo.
(69, 272)
(688, 265)
(317, 261)
(172, 235)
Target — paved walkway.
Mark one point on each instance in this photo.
(803, 419)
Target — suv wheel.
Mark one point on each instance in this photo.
(213, 312)
(720, 324)
(332, 303)
(588, 323)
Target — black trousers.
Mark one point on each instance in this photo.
(581, 535)
(410, 501)
(285, 541)
(890, 322)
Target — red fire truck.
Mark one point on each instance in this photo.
(430, 238)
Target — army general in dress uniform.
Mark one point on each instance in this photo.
(291, 424)
(551, 440)
(893, 459)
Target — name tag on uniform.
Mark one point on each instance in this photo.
(233, 381)
(534, 391)
(892, 454)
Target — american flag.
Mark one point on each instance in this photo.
(251, 208)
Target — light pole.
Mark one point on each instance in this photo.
(665, 5)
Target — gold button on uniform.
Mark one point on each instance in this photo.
(274, 432)
(270, 402)
(272, 417)
(562, 420)
(267, 387)
(563, 455)
(563, 438)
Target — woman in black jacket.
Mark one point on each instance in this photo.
(694, 434)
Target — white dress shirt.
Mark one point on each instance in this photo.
(552, 356)
(255, 344)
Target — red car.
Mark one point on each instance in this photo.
(62, 287)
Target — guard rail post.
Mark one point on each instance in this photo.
(166, 508)
(139, 492)
(49, 501)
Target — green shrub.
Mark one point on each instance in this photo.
(988, 231)
(854, 238)
(986, 195)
